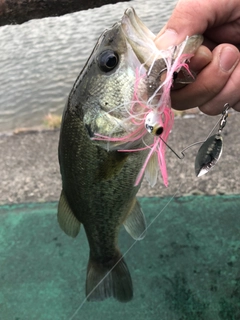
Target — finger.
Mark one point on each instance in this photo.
(230, 93)
(228, 32)
(167, 39)
(209, 43)
(209, 82)
(203, 56)
(184, 21)
(195, 17)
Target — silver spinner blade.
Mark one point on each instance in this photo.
(208, 154)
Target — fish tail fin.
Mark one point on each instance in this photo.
(109, 280)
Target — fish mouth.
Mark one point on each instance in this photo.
(132, 25)
(138, 35)
(141, 39)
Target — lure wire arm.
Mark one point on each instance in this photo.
(182, 152)
(222, 122)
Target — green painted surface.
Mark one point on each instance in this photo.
(187, 267)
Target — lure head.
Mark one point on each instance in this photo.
(154, 130)
(154, 123)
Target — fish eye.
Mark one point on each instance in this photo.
(159, 131)
(108, 60)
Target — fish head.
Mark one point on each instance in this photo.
(122, 95)
(107, 86)
(104, 88)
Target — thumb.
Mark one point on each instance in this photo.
(188, 18)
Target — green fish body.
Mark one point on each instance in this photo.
(98, 184)
(99, 123)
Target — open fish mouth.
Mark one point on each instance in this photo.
(142, 39)
(131, 25)
(138, 35)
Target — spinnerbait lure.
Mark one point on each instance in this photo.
(211, 150)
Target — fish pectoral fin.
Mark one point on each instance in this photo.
(112, 165)
(66, 219)
(152, 168)
(135, 224)
(109, 280)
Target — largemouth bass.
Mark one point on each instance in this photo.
(102, 150)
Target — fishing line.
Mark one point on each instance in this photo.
(126, 252)
(221, 121)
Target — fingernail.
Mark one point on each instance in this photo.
(228, 58)
(167, 39)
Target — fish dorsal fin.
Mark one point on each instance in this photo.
(151, 172)
(135, 224)
(66, 219)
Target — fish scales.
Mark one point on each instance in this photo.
(105, 146)
(98, 184)
(101, 204)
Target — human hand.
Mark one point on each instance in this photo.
(217, 62)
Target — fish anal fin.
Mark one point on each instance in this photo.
(109, 280)
(66, 219)
(135, 223)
